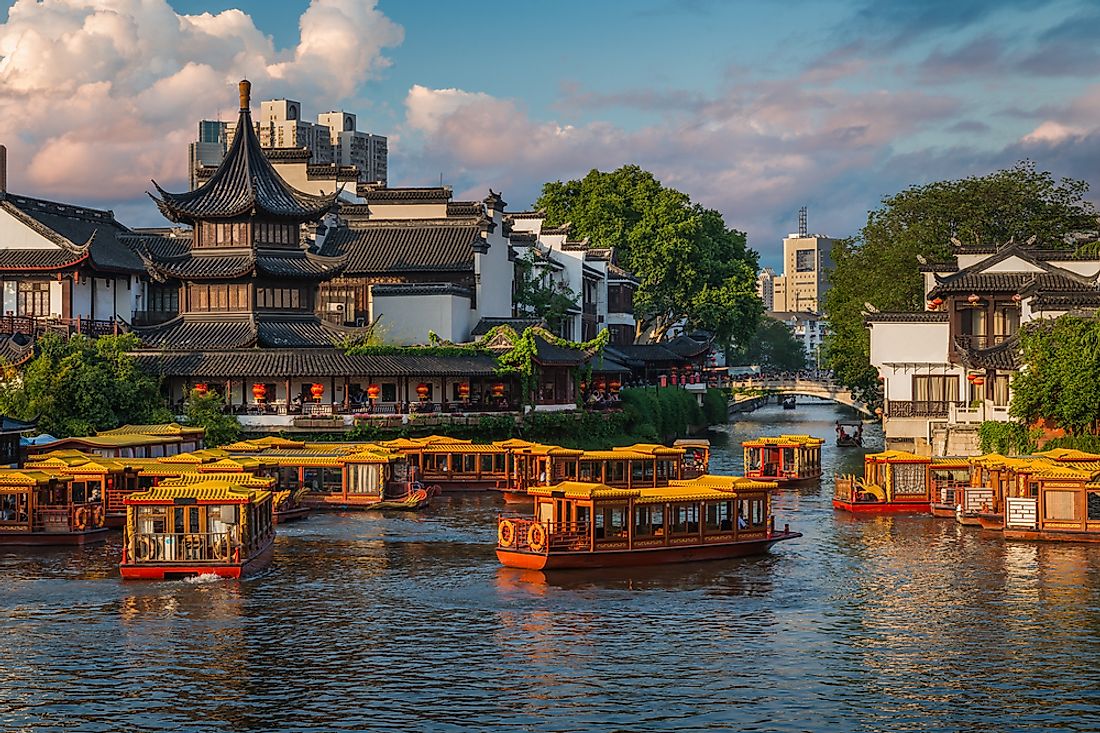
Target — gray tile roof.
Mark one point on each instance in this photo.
(406, 289)
(167, 257)
(321, 362)
(380, 193)
(244, 184)
(185, 333)
(413, 245)
(915, 317)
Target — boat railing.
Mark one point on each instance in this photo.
(68, 517)
(185, 547)
(1021, 512)
(844, 488)
(978, 499)
(558, 536)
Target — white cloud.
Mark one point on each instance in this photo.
(97, 97)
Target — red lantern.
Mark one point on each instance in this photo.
(422, 390)
(979, 381)
(971, 377)
(464, 390)
(973, 299)
(615, 385)
(601, 383)
(498, 389)
(374, 391)
(937, 302)
(1017, 298)
(259, 391)
(317, 390)
(202, 388)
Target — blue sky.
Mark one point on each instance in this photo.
(754, 108)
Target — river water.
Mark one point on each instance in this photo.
(368, 622)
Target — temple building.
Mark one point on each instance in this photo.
(238, 298)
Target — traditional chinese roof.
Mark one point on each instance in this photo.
(1039, 276)
(203, 492)
(726, 483)
(896, 456)
(1003, 356)
(16, 349)
(284, 363)
(407, 289)
(914, 317)
(80, 235)
(172, 257)
(547, 353)
(171, 428)
(245, 184)
(380, 193)
(200, 331)
(408, 245)
(786, 440)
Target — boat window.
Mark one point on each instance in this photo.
(751, 514)
(80, 492)
(1060, 505)
(649, 521)
(754, 459)
(683, 519)
(788, 459)
(311, 478)
(636, 471)
(719, 516)
(13, 508)
(469, 463)
(332, 479)
(647, 470)
(177, 520)
(583, 516)
(909, 478)
(193, 520)
(486, 462)
(611, 522)
(1094, 506)
(616, 472)
(590, 471)
(288, 477)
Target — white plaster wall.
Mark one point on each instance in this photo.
(82, 298)
(909, 342)
(407, 319)
(104, 297)
(494, 272)
(1081, 267)
(14, 234)
(56, 288)
(408, 211)
(527, 225)
(898, 381)
(1013, 264)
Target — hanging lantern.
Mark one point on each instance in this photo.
(374, 391)
(464, 390)
(259, 391)
(601, 383)
(971, 377)
(973, 299)
(1017, 298)
(317, 390)
(614, 386)
(422, 390)
(202, 388)
(979, 381)
(498, 389)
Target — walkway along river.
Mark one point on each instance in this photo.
(374, 622)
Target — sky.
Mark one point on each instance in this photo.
(752, 108)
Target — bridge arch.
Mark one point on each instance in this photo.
(823, 389)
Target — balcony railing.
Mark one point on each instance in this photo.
(11, 325)
(965, 414)
(970, 342)
(909, 408)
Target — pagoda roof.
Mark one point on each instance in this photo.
(172, 257)
(245, 184)
(408, 245)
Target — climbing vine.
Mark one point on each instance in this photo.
(1007, 438)
(519, 360)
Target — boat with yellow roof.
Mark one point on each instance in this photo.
(593, 525)
(40, 507)
(210, 527)
(785, 459)
(893, 482)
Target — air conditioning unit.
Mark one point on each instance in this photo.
(336, 307)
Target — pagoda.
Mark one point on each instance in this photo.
(245, 276)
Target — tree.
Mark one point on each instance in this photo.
(773, 346)
(538, 297)
(77, 386)
(1060, 376)
(880, 266)
(690, 265)
(207, 411)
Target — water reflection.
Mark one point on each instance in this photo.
(371, 621)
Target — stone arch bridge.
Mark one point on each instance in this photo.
(824, 389)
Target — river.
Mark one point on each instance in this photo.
(368, 622)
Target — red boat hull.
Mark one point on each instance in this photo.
(291, 515)
(41, 539)
(882, 507)
(943, 511)
(257, 562)
(992, 521)
(639, 557)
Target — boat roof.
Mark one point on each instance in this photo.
(27, 477)
(616, 454)
(1068, 454)
(463, 448)
(513, 443)
(896, 456)
(118, 440)
(244, 480)
(1064, 472)
(692, 442)
(692, 490)
(238, 463)
(654, 449)
(159, 429)
(79, 465)
(727, 483)
(808, 441)
(215, 491)
(950, 462)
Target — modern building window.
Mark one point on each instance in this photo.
(805, 260)
(33, 298)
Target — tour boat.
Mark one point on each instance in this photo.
(372, 479)
(462, 466)
(211, 527)
(1056, 502)
(849, 433)
(696, 460)
(45, 508)
(534, 464)
(593, 525)
(893, 482)
(785, 459)
(108, 478)
(789, 402)
(948, 478)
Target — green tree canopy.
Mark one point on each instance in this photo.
(1060, 376)
(880, 265)
(773, 346)
(691, 266)
(208, 411)
(76, 386)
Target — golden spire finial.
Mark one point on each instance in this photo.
(246, 93)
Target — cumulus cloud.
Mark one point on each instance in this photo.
(97, 97)
(754, 151)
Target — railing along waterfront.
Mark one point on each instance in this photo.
(185, 547)
(11, 325)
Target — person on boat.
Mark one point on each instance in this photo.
(742, 523)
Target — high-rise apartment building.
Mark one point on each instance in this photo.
(807, 260)
(765, 288)
(332, 140)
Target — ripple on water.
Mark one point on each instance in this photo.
(400, 622)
